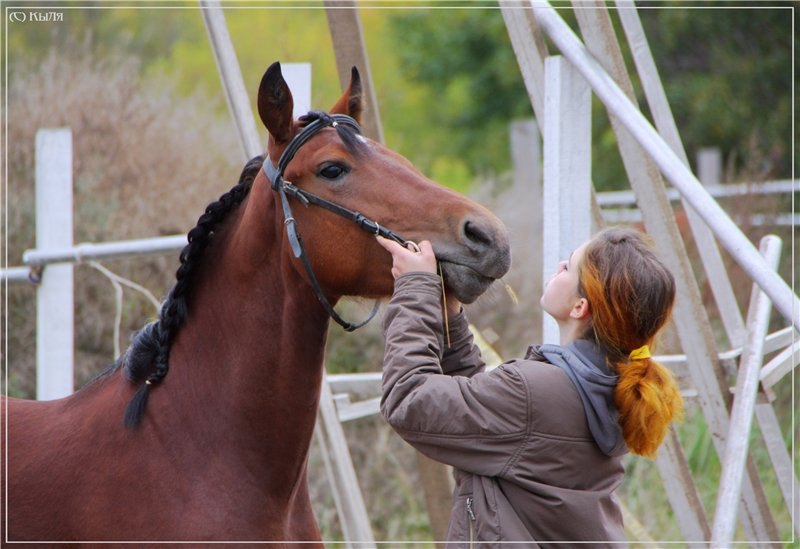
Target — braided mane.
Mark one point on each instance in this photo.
(146, 361)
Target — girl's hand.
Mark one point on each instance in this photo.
(408, 261)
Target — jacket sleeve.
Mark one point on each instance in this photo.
(474, 423)
(461, 357)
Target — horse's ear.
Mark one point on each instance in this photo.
(275, 104)
(351, 102)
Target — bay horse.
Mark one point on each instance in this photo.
(217, 449)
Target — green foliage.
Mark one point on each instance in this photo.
(464, 62)
(726, 69)
(728, 74)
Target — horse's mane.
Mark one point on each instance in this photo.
(146, 361)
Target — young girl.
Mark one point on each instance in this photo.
(536, 443)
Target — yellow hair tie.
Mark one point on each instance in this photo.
(640, 354)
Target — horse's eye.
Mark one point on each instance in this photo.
(333, 171)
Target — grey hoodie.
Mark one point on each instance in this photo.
(585, 365)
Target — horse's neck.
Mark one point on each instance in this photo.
(250, 354)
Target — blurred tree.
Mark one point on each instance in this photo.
(727, 70)
(464, 60)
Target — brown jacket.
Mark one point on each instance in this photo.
(526, 465)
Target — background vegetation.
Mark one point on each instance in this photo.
(153, 144)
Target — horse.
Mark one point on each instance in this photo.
(217, 450)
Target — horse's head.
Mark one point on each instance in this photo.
(338, 165)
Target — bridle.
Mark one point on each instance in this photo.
(287, 188)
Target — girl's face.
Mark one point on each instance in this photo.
(561, 289)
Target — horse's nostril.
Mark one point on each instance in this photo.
(476, 234)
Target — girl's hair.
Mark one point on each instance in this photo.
(631, 294)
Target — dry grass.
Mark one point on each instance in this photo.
(145, 163)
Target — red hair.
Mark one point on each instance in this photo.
(631, 294)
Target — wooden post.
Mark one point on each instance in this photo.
(734, 458)
(530, 50)
(526, 230)
(344, 23)
(54, 297)
(350, 506)
(665, 122)
(682, 491)
(691, 319)
(567, 170)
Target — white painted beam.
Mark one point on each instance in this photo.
(567, 170)
(54, 296)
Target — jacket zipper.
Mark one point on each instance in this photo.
(471, 517)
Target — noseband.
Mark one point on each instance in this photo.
(286, 188)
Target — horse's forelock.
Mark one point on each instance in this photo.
(349, 136)
(351, 139)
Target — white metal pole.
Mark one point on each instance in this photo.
(15, 275)
(54, 296)
(567, 170)
(747, 383)
(231, 77)
(615, 100)
(104, 250)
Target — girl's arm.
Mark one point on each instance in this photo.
(460, 355)
(475, 423)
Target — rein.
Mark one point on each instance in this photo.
(286, 188)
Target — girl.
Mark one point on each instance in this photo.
(537, 443)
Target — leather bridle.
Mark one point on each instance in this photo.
(285, 189)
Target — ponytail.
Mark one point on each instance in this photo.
(631, 294)
(647, 399)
